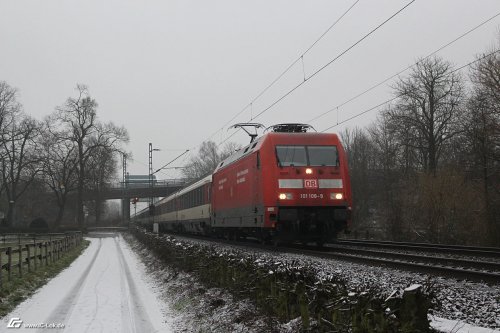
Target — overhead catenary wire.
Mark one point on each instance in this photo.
(144, 164)
(404, 70)
(332, 61)
(399, 95)
(306, 79)
(287, 69)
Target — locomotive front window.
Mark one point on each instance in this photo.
(307, 156)
(291, 155)
(322, 155)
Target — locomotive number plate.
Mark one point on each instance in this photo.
(310, 183)
(311, 196)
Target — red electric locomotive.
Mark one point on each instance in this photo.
(288, 185)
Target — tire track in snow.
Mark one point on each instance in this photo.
(134, 309)
(68, 303)
(96, 293)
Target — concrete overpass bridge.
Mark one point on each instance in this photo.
(161, 188)
(127, 191)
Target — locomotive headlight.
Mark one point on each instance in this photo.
(309, 171)
(285, 196)
(336, 196)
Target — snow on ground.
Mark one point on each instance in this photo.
(103, 290)
(476, 304)
(198, 308)
(454, 326)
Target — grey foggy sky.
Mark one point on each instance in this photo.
(173, 72)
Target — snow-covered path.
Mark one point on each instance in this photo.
(104, 290)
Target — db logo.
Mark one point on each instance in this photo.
(310, 183)
(14, 323)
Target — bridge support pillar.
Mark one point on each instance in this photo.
(126, 209)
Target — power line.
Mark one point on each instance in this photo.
(229, 137)
(380, 83)
(333, 60)
(301, 57)
(324, 66)
(399, 95)
(175, 159)
(474, 61)
(144, 164)
(404, 70)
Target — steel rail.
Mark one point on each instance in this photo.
(456, 249)
(452, 272)
(478, 264)
(434, 269)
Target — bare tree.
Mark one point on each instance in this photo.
(21, 160)
(362, 163)
(78, 116)
(60, 162)
(392, 165)
(482, 135)
(9, 108)
(209, 156)
(429, 108)
(486, 74)
(100, 170)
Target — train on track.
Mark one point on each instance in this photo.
(289, 185)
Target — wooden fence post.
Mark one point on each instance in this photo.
(9, 265)
(28, 258)
(51, 250)
(46, 254)
(35, 246)
(20, 260)
(1, 268)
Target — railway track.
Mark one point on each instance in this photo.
(492, 252)
(479, 271)
(461, 269)
(437, 260)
